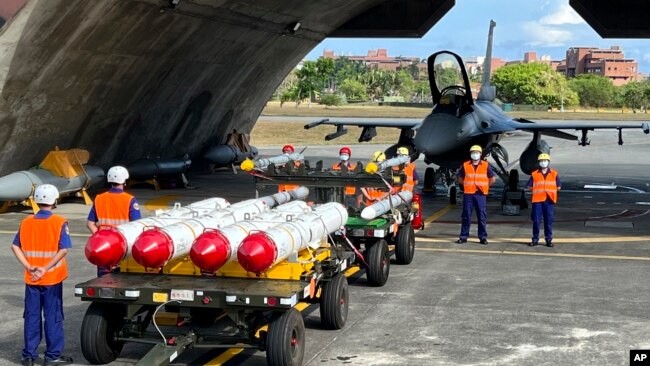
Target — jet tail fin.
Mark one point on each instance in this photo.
(487, 91)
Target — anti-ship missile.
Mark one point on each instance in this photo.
(214, 248)
(374, 167)
(383, 206)
(155, 247)
(261, 164)
(18, 186)
(143, 169)
(228, 154)
(261, 250)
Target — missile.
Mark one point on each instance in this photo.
(261, 164)
(18, 186)
(383, 206)
(108, 246)
(259, 251)
(143, 169)
(374, 167)
(228, 154)
(212, 249)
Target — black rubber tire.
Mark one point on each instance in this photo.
(513, 180)
(405, 244)
(452, 195)
(285, 342)
(429, 180)
(378, 259)
(334, 302)
(101, 322)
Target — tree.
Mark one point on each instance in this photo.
(313, 76)
(593, 90)
(353, 89)
(534, 83)
(422, 91)
(634, 95)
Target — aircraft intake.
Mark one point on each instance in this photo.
(528, 158)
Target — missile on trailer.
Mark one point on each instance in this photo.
(374, 167)
(261, 250)
(261, 164)
(214, 248)
(383, 206)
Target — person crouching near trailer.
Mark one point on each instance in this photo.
(544, 182)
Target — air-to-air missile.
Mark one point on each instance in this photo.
(259, 251)
(385, 205)
(214, 248)
(108, 246)
(261, 164)
(222, 155)
(155, 247)
(374, 167)
(65, 169)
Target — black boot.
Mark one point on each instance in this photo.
(549, 243)
(461, 241)
(484, 241)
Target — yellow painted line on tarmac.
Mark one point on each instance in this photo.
(301, 306)
(438, 214)
(160, 202)
(506, 252)
(600, 239)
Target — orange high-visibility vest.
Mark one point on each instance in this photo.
(544, 186)
(112, 208)
(476, 178)
(375, 194)
(409, 169)
(349, 190)
(289, 187)
(39, 241)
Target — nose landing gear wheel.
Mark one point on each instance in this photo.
(452, 195)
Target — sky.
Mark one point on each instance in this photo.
(547, 27)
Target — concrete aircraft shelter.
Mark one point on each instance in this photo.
(134, 78)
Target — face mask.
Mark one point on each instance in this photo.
(543, 163)
(475, 156)
(286, 152)
(345, 157)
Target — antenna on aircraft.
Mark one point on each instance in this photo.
(487, 91)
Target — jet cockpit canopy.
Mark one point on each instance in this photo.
(448, 80)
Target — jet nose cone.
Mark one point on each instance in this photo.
(440, 133)
(257, 253)
(152, 249)
(105, 248)
(210, 251)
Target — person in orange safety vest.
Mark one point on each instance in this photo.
(344, 160)
(113, 208)
(41, 244)
(287, 150)
(409, 170)
(544, 182)
(476, 176)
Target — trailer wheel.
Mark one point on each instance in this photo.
(378, 263)
(334, 302)
(285, 342)
(98, 330)
(405, 244)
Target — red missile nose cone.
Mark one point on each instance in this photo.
(105, 248)
(210, 251)
(152, 249)
(257, 253)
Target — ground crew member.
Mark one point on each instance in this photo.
(476, 176)
(544, 182)
(40, 246)
(114, 207)
(373, 195)
(409, 170)
(288, 150)
(344, 160)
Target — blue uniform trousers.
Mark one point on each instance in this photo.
(545, 210)
(471, 201)
(47, 300)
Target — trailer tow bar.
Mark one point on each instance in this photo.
(164, 354)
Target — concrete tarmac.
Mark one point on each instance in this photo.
(582, 302)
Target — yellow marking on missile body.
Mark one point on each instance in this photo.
(539, 254)
(247, 165)
(438, 214)
(583, 240)
(160, 202)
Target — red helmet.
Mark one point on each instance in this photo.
(288, 148)
(345, 150)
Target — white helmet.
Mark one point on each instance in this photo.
(46, 194)
(117, 174)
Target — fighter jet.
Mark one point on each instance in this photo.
(457, 122)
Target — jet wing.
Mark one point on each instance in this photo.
(369, 126)
(554, 129)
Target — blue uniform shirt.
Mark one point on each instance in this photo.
(64, 240)
(134, 211)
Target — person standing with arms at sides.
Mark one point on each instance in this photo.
(476, 176)
(344, 160)
(409, 170)
(113, 208)
(288, 150)
(544, 182)
(41, 245)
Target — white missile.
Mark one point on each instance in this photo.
(383, 206)
(374, 167)
(214, 248)
(261, 164)
(259, 251)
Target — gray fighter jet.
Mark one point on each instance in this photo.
(457, 122)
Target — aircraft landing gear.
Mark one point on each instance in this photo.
(452, 193)
(429, 180)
